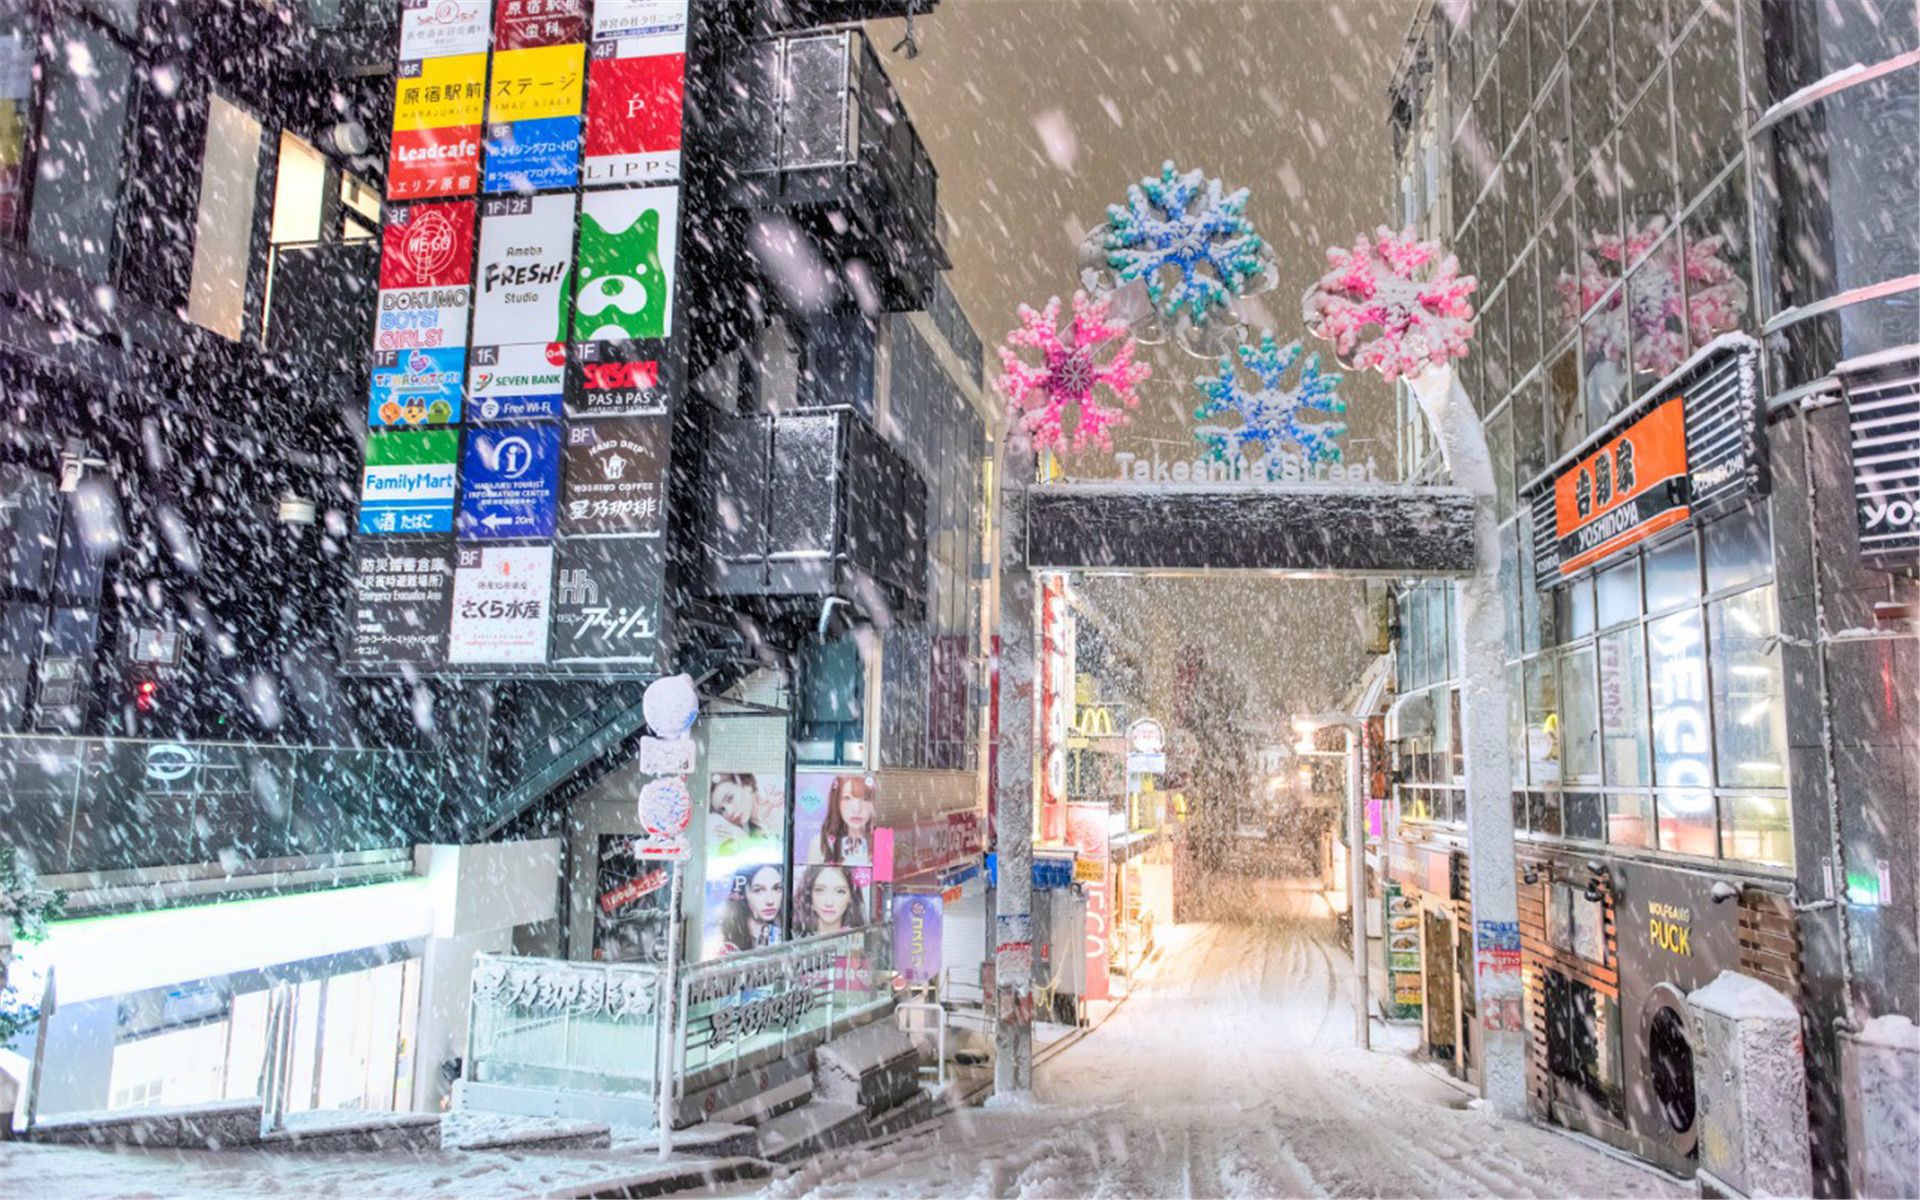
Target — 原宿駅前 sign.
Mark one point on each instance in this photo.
(1689, 449)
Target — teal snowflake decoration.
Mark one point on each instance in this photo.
(1184, 223)
(1271, 415)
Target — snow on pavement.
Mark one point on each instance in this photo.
(1230, 1072)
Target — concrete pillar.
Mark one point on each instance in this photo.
(1014, 788)
(1481, 644)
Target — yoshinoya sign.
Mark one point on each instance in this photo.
(1883, 421)
(1689, 449)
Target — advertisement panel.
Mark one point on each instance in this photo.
(402, 597)
(426, 276)
(520, 24)
(437, 105)
(530, 156)
(615, 380)
(631, 918)
(636, 88)
(438, 28)
(833, 817)
(507, 383)
(501, 604)
(616, 477)
(525, 271)
(1087, 834)
(746, 855)
(407, 483)
(509, 482)
(627, 250)
(416, 387)
(917, 922)
(606, 605)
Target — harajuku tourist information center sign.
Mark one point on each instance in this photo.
(523, 366)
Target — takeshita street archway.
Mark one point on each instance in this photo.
(1392, 304)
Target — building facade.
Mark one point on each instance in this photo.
(1691, 225)
(224, 679)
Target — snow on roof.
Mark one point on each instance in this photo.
(1892, 1031)
(1883, 358)
(1743, 998)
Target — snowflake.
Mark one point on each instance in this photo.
(1039, 396)
(1716, 297)
(1415, 323)
(1270, 415)
(1168, 222)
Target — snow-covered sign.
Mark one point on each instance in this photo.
(549, 987)
(437, 28)
(501, 604)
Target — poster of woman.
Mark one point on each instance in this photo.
(630, 913)
(746, 814)
(831, 899)
(745, 915)
(834, 819)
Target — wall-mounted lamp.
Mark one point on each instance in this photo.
(1597, 874)
(1530, 875)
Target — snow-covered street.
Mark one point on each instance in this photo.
(1231, 1072)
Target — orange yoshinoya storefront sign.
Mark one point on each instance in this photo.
(1629, 488)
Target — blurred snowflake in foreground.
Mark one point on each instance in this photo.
(1271, 413)
(1186, 223)
(1715, 297)
(1383, 311)
(1042, 398)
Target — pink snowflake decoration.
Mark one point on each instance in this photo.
(1383, 310)
(1041, 398)
(1715, 296)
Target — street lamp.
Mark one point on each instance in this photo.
(1306, 727)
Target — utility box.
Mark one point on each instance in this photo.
(1749, 1073)
(1880, 1073)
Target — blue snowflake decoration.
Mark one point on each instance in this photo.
(1184, 222)
(1271, 415)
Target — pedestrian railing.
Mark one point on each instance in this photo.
(565, 1026)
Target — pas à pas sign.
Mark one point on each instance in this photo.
(1277, 466)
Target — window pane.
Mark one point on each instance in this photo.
(1414, 628)
(1646, 161)
(1630, 820)
(1586, 816)
(1653, 304)
(1439, 645)
(1707, 108)
(1737, 549)
(1573, 608)
(1516, 727)
(1686, 823)
(1603, 359)
(1673, 574)
(1756, 829)
(1500, 445)
(1543, 724)
(223, 233)
(1568, 427)
(1678, 686)
(17, 41)
(1625, 745)
(1580, 723)
(1748, 697)
(299, 186)
(1619, 593)
(76, 190)
(1543, 813)
(1719, 263)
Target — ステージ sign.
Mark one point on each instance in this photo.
(533, 118)
(521, 286)
(509, 480)
(636, 86)
(437, 104)
(509, 382)
(407, 484)
(501, 604)
(616, 471)
(627, 251)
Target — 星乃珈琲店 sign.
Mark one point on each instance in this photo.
(1631, 487)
